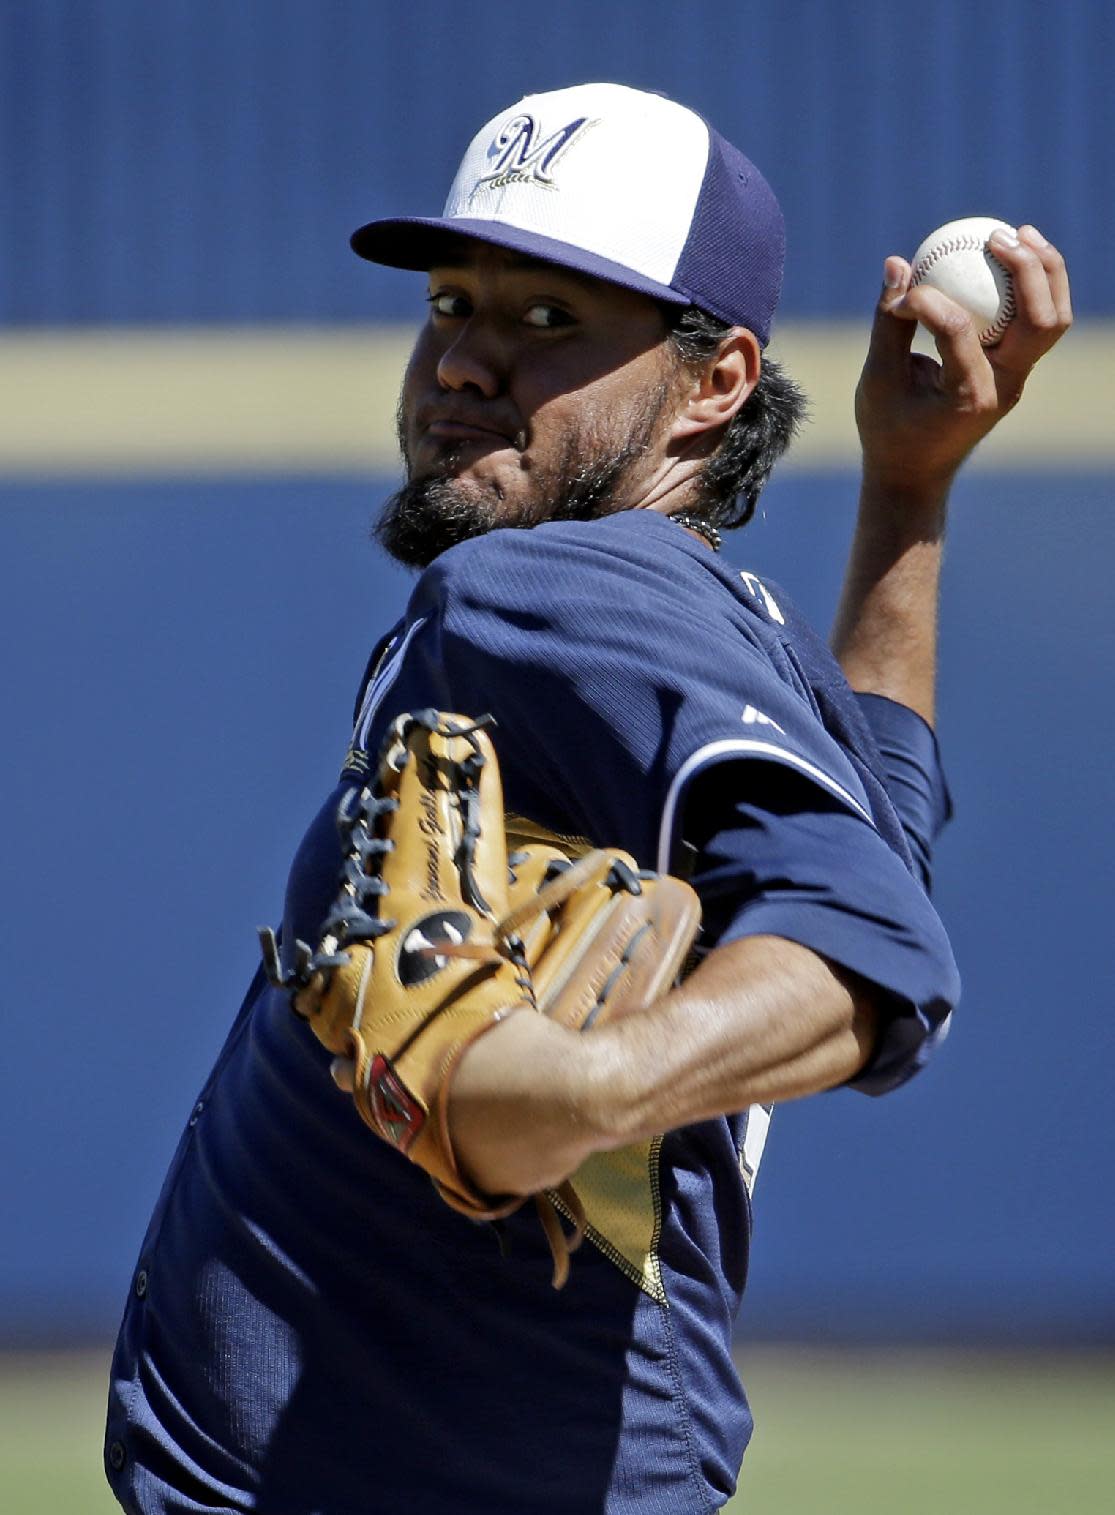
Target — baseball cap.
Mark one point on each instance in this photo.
(615, 182)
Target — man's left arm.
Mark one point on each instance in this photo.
(761, 1020)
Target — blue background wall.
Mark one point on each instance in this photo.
(204, 159)
(181, 656)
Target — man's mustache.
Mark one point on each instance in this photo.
(494, 418)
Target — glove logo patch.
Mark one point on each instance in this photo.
(419, 958)
(396, 1114)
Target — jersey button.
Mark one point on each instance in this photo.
(116, 1456)
(141, 1283)
(196, 1115)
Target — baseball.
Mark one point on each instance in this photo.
(956, 260)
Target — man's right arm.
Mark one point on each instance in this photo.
(918, 420)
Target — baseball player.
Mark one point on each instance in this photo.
(588, 405)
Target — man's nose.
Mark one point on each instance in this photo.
(477, 358)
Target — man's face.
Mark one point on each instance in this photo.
(533, 394)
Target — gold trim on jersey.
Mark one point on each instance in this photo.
(620, 1190)
(622, 1199)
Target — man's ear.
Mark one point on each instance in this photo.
(718, 389)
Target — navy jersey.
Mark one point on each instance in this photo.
(314, 1330)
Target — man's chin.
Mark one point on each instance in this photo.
(430, 514)
(465, 483)
(475, 462)
(465, 495)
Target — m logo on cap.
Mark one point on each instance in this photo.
(519, 158)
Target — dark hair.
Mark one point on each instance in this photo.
(756, 437)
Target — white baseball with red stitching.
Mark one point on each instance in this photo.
(957, 260)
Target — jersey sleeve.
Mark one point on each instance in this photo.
(777, 857)
(914, 777)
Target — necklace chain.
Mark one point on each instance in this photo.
(702, 528)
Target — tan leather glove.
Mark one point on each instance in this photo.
(434, 939)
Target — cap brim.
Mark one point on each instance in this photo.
(417, 242)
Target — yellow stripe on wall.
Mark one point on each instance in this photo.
(1064, 420)
(282, 400)
(195, 401)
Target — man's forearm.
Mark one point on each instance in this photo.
(885, 634)
(761, 1020)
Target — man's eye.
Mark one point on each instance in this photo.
(547, 316)
(443, 303)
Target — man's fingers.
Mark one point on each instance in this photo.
(896, 281)
(1040, 304)
(1055, 266)
(888, 350)
(1043, 308)
(893, 330)
(1055, 269)
(343, 1071)
(901, 308)
(965, 370)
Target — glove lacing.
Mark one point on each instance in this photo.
(354, 917)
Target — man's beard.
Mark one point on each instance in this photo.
(430, 514)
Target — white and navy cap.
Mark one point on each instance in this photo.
(628, 186)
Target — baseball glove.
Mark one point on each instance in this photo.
(436, 936)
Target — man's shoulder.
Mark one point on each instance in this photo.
(615, 535)
(631, 557)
